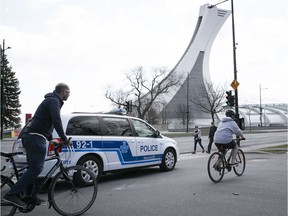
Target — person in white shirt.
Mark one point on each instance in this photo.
(197, 139)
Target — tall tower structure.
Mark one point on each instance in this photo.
(193, 66)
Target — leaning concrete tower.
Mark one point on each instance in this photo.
(194, 68)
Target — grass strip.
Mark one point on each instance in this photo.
(280, 149)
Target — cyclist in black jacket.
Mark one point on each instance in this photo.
(35, 135)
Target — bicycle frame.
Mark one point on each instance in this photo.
(219, 161)
(40, 184)
(224, 155)
(57, 165)
(66, 176)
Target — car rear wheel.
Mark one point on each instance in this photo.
(93, 164)
(168, 160)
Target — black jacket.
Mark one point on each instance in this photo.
(212, 131)
(47, 117)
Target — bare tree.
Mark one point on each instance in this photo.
(181, 112)
(145, 91)
(117, 97)
(209, 99)
(152, 116)
(164, 114)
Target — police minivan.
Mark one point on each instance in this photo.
(106, 143)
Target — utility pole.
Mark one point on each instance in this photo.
(234, 63)
(234, 59)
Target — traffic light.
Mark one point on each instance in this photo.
(230, 98)
(128, 106)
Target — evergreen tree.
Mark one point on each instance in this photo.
(11, 92)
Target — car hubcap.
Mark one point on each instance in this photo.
(170, 159)
(92, 166)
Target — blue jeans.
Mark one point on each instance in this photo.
(35, 147)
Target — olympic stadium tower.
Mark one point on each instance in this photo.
(193, 68)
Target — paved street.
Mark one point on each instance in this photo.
(262, 190)
(187, 190)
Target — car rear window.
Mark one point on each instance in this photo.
(84, 125)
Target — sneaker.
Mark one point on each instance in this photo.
(39, 201)
(14, 200)
(194, 152)
(228, 168)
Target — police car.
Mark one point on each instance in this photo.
(106, 143)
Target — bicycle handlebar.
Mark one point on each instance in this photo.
(58, 144)
(239, 139)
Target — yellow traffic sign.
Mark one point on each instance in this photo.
(234, 84)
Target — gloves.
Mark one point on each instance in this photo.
(68, 142)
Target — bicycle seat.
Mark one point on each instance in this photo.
(11, 154)
(221, 148)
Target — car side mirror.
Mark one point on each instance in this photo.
(157, 134)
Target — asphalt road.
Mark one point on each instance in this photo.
(187, 190)
(253, 142)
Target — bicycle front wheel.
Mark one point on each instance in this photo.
(216, 167)
(7, 209)
(69, 196)
(241, 163)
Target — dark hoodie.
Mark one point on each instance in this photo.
(47, 117)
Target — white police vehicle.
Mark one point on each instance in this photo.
(106, 143)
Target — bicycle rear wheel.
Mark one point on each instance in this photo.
(69, 196)
(240, 159)
(216, 167)
(7, 209)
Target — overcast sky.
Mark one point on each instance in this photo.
(91, 44)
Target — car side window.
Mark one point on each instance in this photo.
(142, 129)
(116, 126)
(84, 125)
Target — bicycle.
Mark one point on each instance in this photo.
(218, 162)
(65, 194)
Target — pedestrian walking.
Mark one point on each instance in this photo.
(212, 131)
(197, 139)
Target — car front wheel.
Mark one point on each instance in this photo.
(168, 160)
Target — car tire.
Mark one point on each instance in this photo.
(92, 163)
(169, 160)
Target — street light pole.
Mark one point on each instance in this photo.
(187, 105)
(3, 62)
(260, 107)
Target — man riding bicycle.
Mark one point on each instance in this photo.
(224, 135)
(35, 134)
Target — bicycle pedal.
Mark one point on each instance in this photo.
(27, 209)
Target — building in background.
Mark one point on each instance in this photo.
(193, 67)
